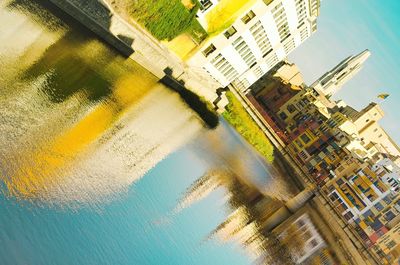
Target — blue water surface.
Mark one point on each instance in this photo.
(139, 227)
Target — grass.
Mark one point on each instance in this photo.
(238, 117)
(166, 19)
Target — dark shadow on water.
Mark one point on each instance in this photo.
(200, 107)
(194, 101)
(69, 75)
(66, 73)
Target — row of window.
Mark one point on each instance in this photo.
(301, 11)
(245, 19)
(244, 51)
(289, 46)
(304, 34)
(281, 21)
(242, 84)
(261, 38)
(224, 67)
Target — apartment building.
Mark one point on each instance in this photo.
(272, 91)
(365, 126)
(388, 246)
(355, 187)
(363, 200)
(389, 172)
(257, 40)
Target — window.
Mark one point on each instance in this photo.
(389, 215)
(314, 243)
(303, 155)
(301, 223)
(334, 197)
(230, 32)
(299, 143)
(291, 108)
(249, 16)
(244, 51)
(379, 207)
(387, 199)
(367, 214)
(224, 67)
(391, 244)
(283, 115)
(205, 4)
(210, 49)
(348, 215)
(305, 138)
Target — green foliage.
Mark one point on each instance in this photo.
(166, 19)
(238, 117)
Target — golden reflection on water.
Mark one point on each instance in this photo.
(27, 182)
(72, 65)
(69, 66)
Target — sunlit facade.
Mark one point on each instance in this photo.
(355, 188)
(257, 40)
(388, 246)
(360, 196)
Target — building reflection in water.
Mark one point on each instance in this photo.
(248, 210)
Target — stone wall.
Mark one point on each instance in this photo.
(96, 18)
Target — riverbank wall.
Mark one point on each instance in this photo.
(134, 42)
(98, 25)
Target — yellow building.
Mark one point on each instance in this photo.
(355, 189)
(359, 195)
(364, 126)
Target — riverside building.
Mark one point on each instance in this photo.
(388, 246)
(257, 40)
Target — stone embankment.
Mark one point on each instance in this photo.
(136, 43)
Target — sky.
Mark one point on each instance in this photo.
(347, 27)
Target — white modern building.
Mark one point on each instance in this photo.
(333, 80)
(261, 37)
(389, 172)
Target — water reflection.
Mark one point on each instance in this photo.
(80, 125)
(75, 98)
(244, 225)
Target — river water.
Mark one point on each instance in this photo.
(101, 164)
